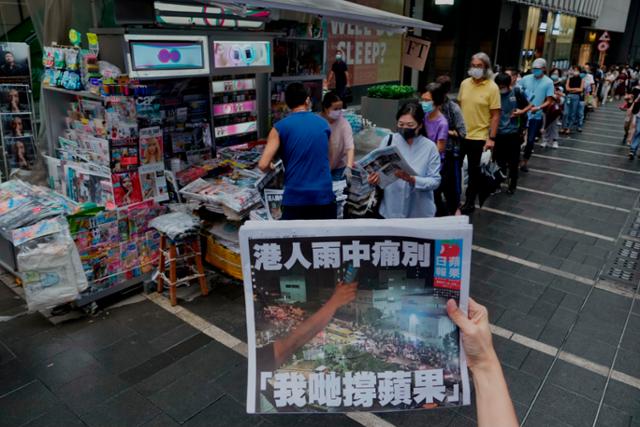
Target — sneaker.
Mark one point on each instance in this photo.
(579, 129)
(544, 144)
(555, 144)
(631, 156)
(511, 191)
(524, 168)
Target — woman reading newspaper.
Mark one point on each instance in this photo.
(411, 195)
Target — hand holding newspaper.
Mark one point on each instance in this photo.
(385, 161)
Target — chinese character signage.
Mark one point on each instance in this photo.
(351, 315)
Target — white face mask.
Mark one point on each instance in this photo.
(335, 114)
(476, 73)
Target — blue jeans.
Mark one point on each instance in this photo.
(572, 111)
(532, 131)
(581, 114)
(337, 174)
(635, 142)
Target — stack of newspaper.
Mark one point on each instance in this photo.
(223, 196)
(272, 199)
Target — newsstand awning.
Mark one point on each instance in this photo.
(341, 10)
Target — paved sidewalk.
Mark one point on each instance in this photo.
(566, 329)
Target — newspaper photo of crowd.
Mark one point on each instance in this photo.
(391, 321)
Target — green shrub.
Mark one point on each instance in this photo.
(391, 91)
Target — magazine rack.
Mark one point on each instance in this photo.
(18, 151)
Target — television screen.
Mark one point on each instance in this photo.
(166, 55)
(240, 54)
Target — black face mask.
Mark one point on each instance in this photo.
(407, 133)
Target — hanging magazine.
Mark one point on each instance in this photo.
(351, 315)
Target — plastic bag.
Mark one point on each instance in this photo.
(49, 264)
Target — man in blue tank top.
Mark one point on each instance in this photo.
(302, 141)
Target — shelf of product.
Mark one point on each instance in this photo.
(235, 110)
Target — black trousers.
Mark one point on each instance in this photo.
(507, 154)
(472, 148)
(310, 212)
(447, 196)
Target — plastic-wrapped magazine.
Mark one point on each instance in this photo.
(351, 315)
(49, 264)
(386, 161)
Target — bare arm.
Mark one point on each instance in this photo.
(273, 144)
(350, 157)
(493, 128)
(346, 73)
(285, 347)
(492, 394)
(548, 101)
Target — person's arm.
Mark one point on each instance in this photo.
(330, 77)
(442, 136)
(459, 125)
(547, 101)
(348, 76)
(431, 180)
(495, 110)
(493, 402)
(273, 144)
(349, 144)
(303, 333)
(493, 128)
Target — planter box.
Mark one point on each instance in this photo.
(382, 112)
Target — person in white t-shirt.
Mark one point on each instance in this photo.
(341, 147)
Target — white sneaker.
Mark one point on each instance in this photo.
(555, 144)
(543, 144)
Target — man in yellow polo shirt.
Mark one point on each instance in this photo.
(479, 99)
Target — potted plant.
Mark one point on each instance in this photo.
(383, 101)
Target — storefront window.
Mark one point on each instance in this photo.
(528, 53)
(548, 35)
(559, 39)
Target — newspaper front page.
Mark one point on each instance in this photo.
(351, 315)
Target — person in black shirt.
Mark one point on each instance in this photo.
(10, 67)
(574, 89)
(340, 75)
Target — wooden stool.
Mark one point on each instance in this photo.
(189, 248)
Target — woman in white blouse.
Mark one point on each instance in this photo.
(411, 196)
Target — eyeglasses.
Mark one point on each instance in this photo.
(408, 125)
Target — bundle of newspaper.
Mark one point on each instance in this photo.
(272, 199)
(223, 196)
(357, 310)
(226, 234)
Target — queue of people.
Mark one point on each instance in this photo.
(505, 112)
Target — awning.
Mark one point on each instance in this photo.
(585, 8)
(340, 10)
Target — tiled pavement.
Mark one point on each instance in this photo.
(569, 343)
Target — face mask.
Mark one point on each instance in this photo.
(338, 57)
(555, 77)
(427, 106)
(504, 90)
(407, 133)
(583, 75)
(335, 114)
(476, 73)
(537, 72)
